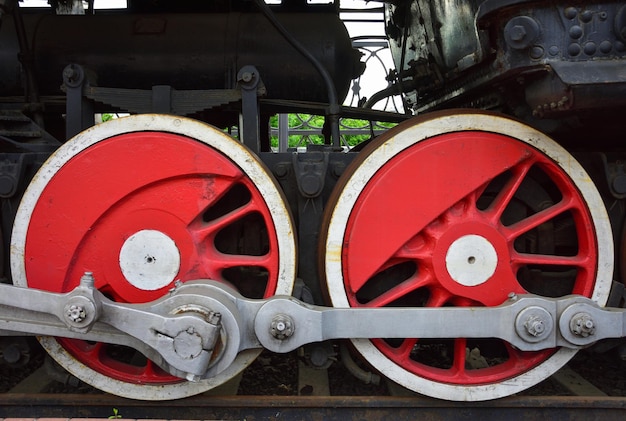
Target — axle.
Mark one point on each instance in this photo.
(197, 330)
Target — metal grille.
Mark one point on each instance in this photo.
(300, 130)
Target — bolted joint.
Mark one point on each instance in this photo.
(79, 313)
(582, 325)
(188, 343)
(517, 33)
(521, 32)
(247, 77)
(82, 307)
(76, 313)
(73, 76)
(282, 326)
(534, 326)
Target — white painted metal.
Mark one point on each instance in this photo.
(471, 260)
(395, 145)
(149, 260)
(193, 129)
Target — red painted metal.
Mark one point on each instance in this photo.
(424, 199)
(125, 184)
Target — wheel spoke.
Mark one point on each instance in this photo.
(438, 297)
(519, 228)
(519, 259)
(458, 363)
(504, 197)
(403, 352)
(417, 248)
(206, 231)
(422, 279)
(236, 260)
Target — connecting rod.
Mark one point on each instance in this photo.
(197, 330)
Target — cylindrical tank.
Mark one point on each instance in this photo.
(185, 51)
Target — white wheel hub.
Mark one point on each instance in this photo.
(471, 260)
(149, 260)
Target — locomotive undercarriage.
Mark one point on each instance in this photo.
(474, 231)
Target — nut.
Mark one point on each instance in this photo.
(582, 325)
(534, 326)
(282, 327)
(76, 314)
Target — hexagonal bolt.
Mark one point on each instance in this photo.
(534, 326)
(582, 325)
(518, 32)
(76, 314)
(282, 327)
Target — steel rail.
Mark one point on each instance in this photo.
(311, 407)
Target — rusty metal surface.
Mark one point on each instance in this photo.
(312, 408)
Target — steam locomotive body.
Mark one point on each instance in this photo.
(467, 253)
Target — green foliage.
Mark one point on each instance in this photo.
(353, 131)
(107, 117)
(116, 414)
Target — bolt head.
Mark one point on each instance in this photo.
(582, 325)
(534, 326)
(282, 327)
(76, 314)
(518, 32)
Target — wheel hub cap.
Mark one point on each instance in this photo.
(149, 260)
(471, 260)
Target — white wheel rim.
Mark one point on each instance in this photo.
(394, 145)
(247, 162)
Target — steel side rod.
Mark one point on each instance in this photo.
(528, 322)
(282, 323)
(86, 314)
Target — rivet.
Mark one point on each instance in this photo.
(570, 12)
(575, 32)
(573, 49)
(590, 48)
(536, 52)
(605, 47)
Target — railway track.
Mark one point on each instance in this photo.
(311, 407)
(592, 386)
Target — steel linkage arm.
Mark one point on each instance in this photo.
(528, 322)
(197, 330)
(182, 344)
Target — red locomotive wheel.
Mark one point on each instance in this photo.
(464, 210)
(144, 202)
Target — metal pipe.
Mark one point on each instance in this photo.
(366, 377)
(334, 108)
(391, 90)
(26, 58)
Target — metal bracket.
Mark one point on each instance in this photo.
(181, 343)
(249, 80)
(310, 169)
(79, 112)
